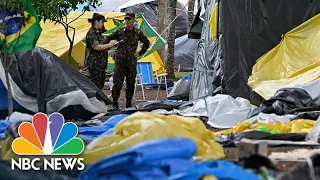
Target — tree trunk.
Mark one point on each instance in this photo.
(171, 39)
(162, 24)
(70, 53)
(10, 104)
(190, 13)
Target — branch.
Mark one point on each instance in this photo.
(77, 17)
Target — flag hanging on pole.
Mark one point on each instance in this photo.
(19, 28)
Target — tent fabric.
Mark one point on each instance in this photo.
(107, 128)
(184, 53)
(146, 160)
(233, 140)
(142, 126)
(150, 12)
(41, 82)
(246, 31)
(295, 60)
(53, 37)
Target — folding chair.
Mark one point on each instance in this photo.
(145, 78)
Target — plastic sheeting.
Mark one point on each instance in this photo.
(184, 53)
(222, 110)
(146, 160)
(150, 12)
(181, 88)
(91, 133)
(233, 140)
(41, 82)
(147, 126)
(246, 31)
(295, 60)
(295, 126)
(294, 101)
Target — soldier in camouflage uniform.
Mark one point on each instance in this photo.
(126, 58)
(97, 50)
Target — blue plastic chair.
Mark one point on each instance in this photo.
(145, 77)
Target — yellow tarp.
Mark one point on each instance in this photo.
(54, 39)
(214, 19)
(296, 126)
(295, 60)
(140, 127)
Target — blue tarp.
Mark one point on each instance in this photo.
(186, 77)
(169, 158)
(4, 99)
(154, 159)
(4, 124)
(91, 133)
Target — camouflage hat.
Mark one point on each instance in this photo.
(130, 16)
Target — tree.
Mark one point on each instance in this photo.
(162, 24)
(171, 39)
(10, 7)
(190, 13)
(57, 11)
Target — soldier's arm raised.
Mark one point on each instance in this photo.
(94, 43)
(145, 42)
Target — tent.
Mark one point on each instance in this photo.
(42, 82)
(53, 38)
(149, 8)
(235, 34)
(184, 53)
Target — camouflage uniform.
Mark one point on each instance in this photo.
(125, 61)
(96, 60)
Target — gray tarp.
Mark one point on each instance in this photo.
(150, 12)
(246, 30)
(207, 57)
(42, 82)
(185, 50)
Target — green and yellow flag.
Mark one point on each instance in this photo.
(156, 42)
(19, 28)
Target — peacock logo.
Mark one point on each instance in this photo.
(48, 136)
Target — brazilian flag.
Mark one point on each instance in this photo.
(19, 28)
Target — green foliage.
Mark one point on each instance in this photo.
(56, 10)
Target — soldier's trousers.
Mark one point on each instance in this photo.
(119, 74)
(97, 77)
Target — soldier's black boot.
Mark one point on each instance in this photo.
(115, 105)
(128, 104)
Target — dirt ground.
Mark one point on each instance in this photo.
(231, 153)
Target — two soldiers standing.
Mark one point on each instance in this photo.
(125, 58)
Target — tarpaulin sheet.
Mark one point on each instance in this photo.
(91, 133)
(42, 82)
(184, 53)
(181, 89)
(146, 160)
(233, 140)
(147, 126)
(247, 30)
(295, 60)
(150, 11)
(295, 126)
(207, 61)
